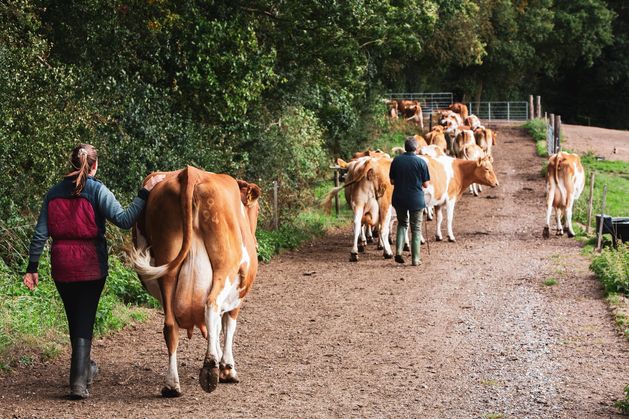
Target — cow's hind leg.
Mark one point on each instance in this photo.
(558, 213)
(171, 335)
(209, 374)
(227, 365)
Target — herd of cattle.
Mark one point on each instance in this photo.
(195, 248)
(458, 152)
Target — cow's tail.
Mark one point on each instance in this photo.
(560, 185)
(141, 259)
(467, 157)
(327, 202)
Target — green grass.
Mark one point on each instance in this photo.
(612, 269)
(550, 282)
(614, 174)
(33, 324)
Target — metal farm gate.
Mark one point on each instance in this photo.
(488, 111)
(505, 111)
(429, 101)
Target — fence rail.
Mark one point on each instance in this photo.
(428, 101)
(505, 111)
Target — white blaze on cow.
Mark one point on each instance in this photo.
(565, 180)
(201, 231)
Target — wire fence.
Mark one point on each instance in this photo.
(428, 101)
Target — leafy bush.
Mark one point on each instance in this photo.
(537, 128)
(612, 268)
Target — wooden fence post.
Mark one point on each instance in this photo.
(550, 134)
(599, 234)
(539, 106)
(336, 197)
(276, 218)
(557, 133)
(531, 108)
(587, 227)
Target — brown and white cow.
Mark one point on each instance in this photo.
(485, 139)
(195, 250)
(436, 137)
(459, 108)
(411, 111)
(474, 152)
(464, 137)
(393, 107)
(565, 180)
(473, 122)
(449, 177)
(370, 193)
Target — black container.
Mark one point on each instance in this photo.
(618, 227)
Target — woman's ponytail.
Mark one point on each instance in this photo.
(83, 158)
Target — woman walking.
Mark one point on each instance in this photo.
(74, 214)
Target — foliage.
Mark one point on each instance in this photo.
(623, 404)
(612, 268)
(308, 224)
(34, 323)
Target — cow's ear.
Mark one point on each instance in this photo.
(370, 174)
(479, 162)
(494, 135)
(253, 193)
(342, 163)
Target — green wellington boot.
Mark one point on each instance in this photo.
(400, 237)
(415, 249)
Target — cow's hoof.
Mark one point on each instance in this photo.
(571, 235)
(387, 255)
(559, 232)
(422, 241)
(390, 240)
(546, 233)
(228, 374)
(437, 238)
(208, 377)
(369, 240)
(406, 248)
(170, 392)
(361, 248)
(379, 247)
(451, 239)
(353, 257)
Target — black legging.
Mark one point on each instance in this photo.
(80, 300)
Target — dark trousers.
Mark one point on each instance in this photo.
(416, 219)
(80, 300)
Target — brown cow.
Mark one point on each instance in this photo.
(201, 263)
(370, 197)
(565, 180)
(411, 111)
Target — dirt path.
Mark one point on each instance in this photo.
(607, 143)
(472, 333)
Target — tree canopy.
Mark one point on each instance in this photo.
(270, 90)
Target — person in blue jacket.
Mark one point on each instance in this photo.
(409, 175)
(74, 214)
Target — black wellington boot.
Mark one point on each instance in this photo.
(80, 367)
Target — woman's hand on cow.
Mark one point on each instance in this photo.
(150, 184)
(31, 280)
